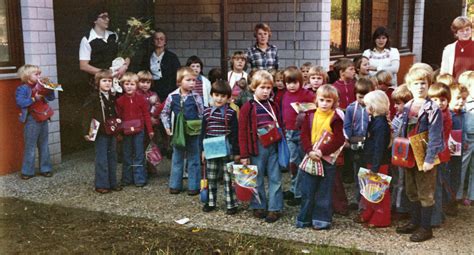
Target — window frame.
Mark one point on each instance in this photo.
(15, 38)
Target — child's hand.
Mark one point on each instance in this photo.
(427, 166)
(236, 158)
(312, 155)
(38, 97)
(245, 161)
(347, 144)
(87, 138)
(168, 131)
(151, 135)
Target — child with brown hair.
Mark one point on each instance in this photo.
(362, 67)
(345, 84)
(317, 76)
(304, 69)
(384, 83)
(279, 87)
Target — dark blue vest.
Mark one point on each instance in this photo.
(190, 107)
(103, 53)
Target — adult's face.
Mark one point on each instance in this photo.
(464, 34)
(159, 40)
(381, 41)
(102, 20)
(262, 37)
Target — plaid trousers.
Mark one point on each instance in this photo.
(212, 169)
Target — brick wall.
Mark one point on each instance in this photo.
(418, 29)
(193, 28)
(40, 49)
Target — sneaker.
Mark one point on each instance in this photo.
(208, 208)
(321, 228)
(294, 202)
(259, 213)
(407, 229)
(231, 211)
(272, 217)
(421, 235)
(287, 195)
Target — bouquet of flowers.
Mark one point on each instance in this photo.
(46, 86)
(245, 181)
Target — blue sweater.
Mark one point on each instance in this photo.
(355, 124)
(24, 99)
(376, 148)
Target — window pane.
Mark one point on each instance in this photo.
(405, 24)
(336, 29)
(353, 25)
(4, 53)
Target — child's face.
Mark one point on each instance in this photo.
(441, 101)
(262, 92)
(305, 70)
(219, 99)
(130, 87)
(262, 37)
(105, 84)
(188, 83)
(364, 67)
(292, 87)
(382, 86)
(348, 74)
(399, 107)
(279, 83)
(360, 98)
(457, 102)
(34, 77)
(464, 34)
(196, 68)
(316, 81)
(419, 89)
(324, 103)
(238, 64)
(144, 85)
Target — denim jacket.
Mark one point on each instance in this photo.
(468, 121)
(24, 100)
(431, 120)
(355, 124)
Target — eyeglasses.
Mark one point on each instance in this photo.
(104, 16)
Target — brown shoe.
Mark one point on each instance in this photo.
(117, 188)
(25, 177)
(407, 228)
(421, 235)
(175, 191)
(259, 213)
(47, 174)
(193, 192)
(272, 217)
(102, 191)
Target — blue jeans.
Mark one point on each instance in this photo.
(399, 196)
(357, 162)
(296, 156)
(437, 216)
(192, 155)
(267, 162)
(454, 170)
(467, 167)
(105, 162)
(36, 135)
(316, 201)
(133, 160)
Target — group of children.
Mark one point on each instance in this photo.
(253, 112)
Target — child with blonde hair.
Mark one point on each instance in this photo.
(376, 157)
(317, 191)
(133, 110)
(279, 87)
(257, 117)
(317, 76)
(304, 69)
(238, 63)
(32, 101)
(384, 83)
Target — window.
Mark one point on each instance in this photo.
(354, 21)
(11, 43)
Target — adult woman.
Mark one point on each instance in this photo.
(99, 47)
(262, 55)
(163, 65)
(458, 56)
(382, 56)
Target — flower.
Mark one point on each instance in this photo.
(136, 32)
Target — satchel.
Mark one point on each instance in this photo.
(402, 154)
(357, 143)
(179, 140)
(193, 127)
(111, 126)
(270, 136)
(41, 111)
(283, 151)
(132, 127)
(216, 147)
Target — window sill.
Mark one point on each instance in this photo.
(8, 76)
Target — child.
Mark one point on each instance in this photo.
(238, 62)
(257, 117)
(420, 115)
(356, 121)
(184, 99)
(220, 120)
(316, 201)
(362, 67)
(279, 87)
(101, 107)
(203, 85)
(468, 139)
(441, 95)
(36, 132)
(215, 74)
(244, 95)
(317, 77)
(384, 83)
(133, 110)
(400, 96)
(376, 157)
(345, 84)
(305, 70)
(295, 92)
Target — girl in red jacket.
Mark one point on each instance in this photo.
(316, 200)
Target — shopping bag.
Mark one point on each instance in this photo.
(153, 154)
(373, 185)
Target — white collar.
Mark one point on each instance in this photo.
(93, 35)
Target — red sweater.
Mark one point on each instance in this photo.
(445, 155)
(346, 92)
(248, 128)
(134, 107)
(336, 126)
(288, 113)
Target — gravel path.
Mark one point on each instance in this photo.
(72, 186)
